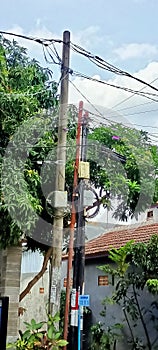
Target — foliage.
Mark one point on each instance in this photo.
(35, 338)
(133, 181)
(28, 116)
(152, 285)
(25, 90)
(135, 270)
(105, 338)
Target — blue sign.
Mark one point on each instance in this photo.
(84, 300)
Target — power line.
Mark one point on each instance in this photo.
(145, 94)
(100, 115)
(45, 42)
(46, 45)
(134, 106)
(141, 112)
(128, 98)
(100, 62)
(125, 125)
(88, 100)
(146, 126)
(96, 59)
(51, 55)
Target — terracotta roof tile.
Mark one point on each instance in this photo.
(102, 244)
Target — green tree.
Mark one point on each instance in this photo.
(134, 181)
(134, 272)
(25, 91)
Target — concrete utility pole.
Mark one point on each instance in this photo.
(60, 197)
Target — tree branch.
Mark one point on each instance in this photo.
(129, 326)
(38, 276)
(142, 319)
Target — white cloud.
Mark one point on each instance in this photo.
(105, 97)
(87, 37)
(135, 50)
(39, 31)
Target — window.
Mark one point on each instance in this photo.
(103, 281)
(150, 214)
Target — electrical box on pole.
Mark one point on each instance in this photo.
(88, 198)
(84, 170)
(59, 199)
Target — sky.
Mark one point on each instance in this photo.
(123, 32)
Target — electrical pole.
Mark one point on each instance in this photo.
(72, 223)
(55, 274)
(79, 250)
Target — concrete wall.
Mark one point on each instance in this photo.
(114, 313)
(35, 303)
(10, 267)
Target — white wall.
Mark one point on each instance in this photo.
(35, 302)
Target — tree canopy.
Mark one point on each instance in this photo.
(26, 92)
(133, 181)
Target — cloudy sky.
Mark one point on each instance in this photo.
(123, 32)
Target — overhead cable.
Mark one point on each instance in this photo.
(129, 97)
(107, 66)
(140, 93)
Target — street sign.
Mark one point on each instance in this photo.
(84, 300)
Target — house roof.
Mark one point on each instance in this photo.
(117, 238)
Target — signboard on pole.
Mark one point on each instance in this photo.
(74, 308)
(84, 300)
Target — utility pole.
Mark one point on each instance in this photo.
(60, 196)
(73, 222)
(79, 250)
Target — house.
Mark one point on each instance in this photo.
(96, 254)
(98, 284)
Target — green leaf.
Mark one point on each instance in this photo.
(57, 335)
(50, 332)
(26, 334)
(62, 342)
(39, 325)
